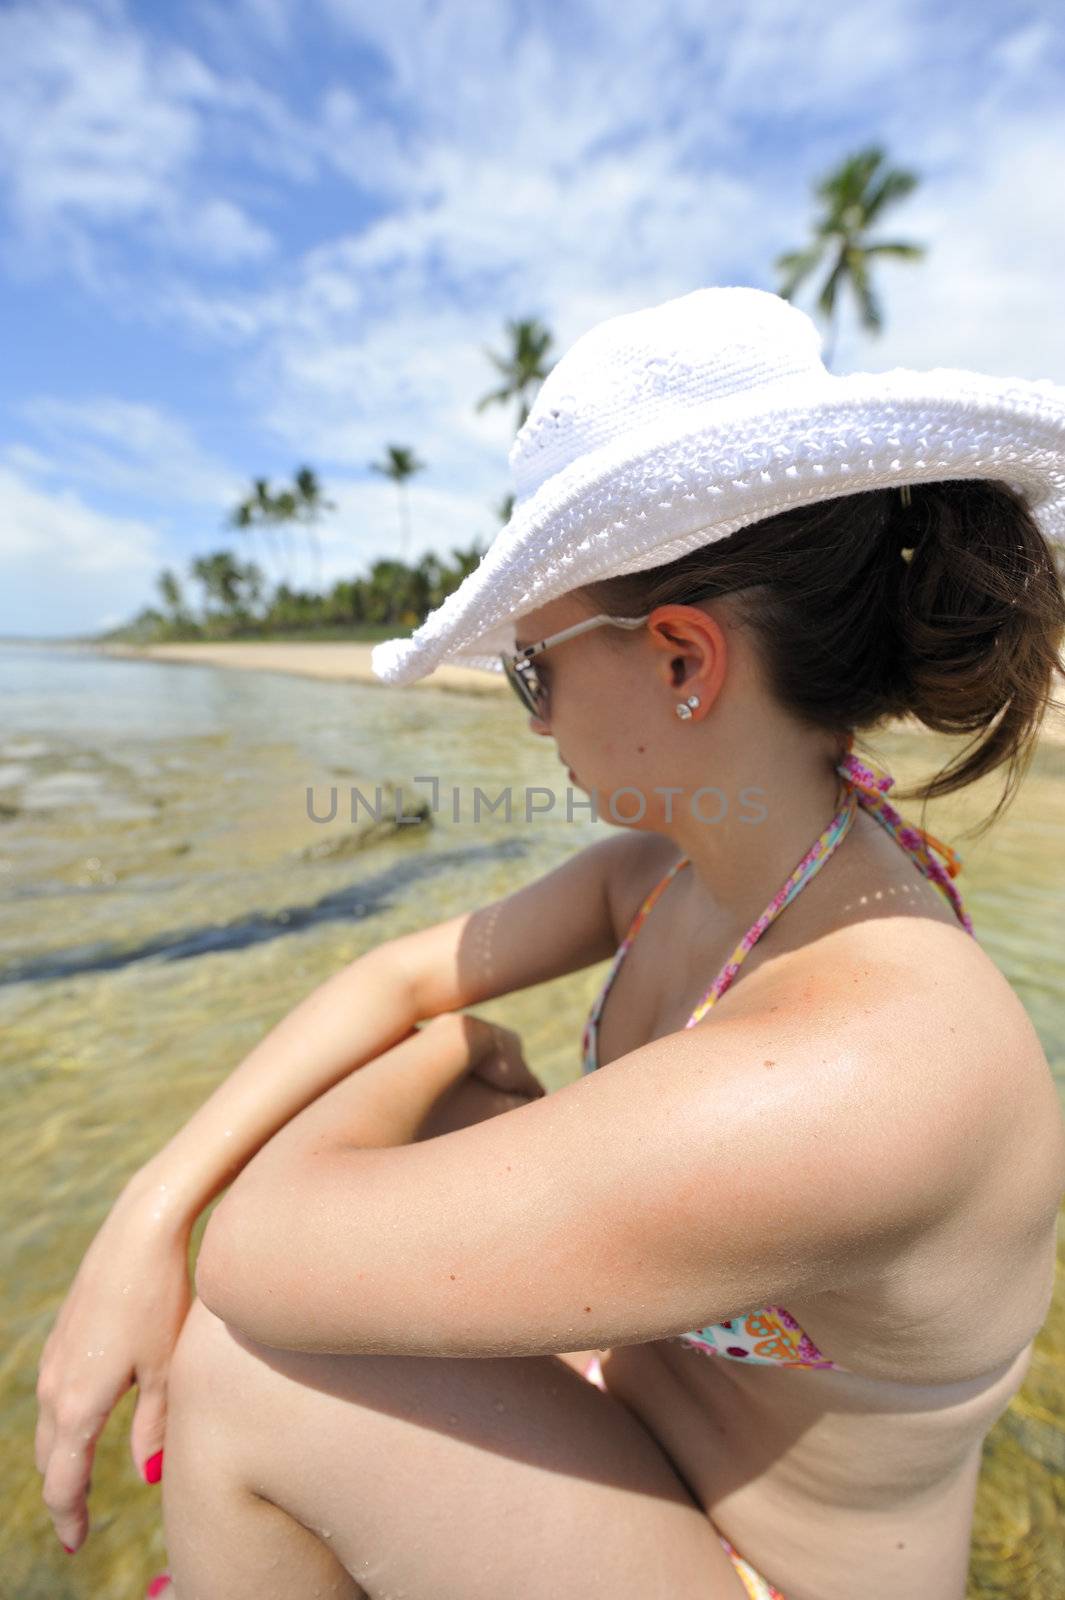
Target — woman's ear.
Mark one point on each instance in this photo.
(693, 652)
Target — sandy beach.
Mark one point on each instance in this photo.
(344, 663)
(350, 663)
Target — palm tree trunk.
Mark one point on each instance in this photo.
(271, 561)
(405, 522)
(830, 341)
(286, 555)
(316, 546)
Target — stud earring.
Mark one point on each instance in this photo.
(684, 707)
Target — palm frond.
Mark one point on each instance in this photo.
(894, 185)
(796, 265)
(872, 317)
(826, 300)
(903, 252)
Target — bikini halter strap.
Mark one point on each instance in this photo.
(867, 787)
(870, 785)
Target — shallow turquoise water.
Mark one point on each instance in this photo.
(161, 912)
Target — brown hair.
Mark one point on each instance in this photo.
(963, 634)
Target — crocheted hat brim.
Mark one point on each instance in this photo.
(648, 498)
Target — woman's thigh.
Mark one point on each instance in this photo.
(437, 1477)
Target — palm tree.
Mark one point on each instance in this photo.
(392, 592)
(432, 576)
(399, 465)
(303, 503)
(437, 579)
(235, 590)
(308, 508)
(220, 576)
(465, 561)
(260, 510)
(505, 509)
(178, 617)
(169, 586)
(345, 602)
(522, 368)
(854, 195)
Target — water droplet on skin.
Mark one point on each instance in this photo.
(500, 1406)
(452, 1419)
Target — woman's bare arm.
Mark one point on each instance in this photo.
(554, 925)
(121, 1318)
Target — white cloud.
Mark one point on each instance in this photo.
(367, 526)
(64, 563)
(619, 171)
(567, 163)
(123, 447)
(103, 132)
(223, 233)
(81, 130)
(984, 298)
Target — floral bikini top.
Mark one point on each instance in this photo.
(771, 1337)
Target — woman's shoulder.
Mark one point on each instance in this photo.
(912, 997)
(640, 862)
(917, 989)
(919, 1005)
(927, 1031)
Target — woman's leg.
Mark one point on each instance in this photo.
(293, 1475)
(422, 1478)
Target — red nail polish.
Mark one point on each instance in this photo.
(153, 1468)
(69, 1548)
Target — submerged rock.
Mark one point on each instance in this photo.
(394, 812)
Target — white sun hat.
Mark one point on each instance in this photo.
(663, 430)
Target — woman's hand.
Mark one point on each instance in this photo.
(497, 1060)
(118, 1326)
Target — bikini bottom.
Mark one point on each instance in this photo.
(757, 1587)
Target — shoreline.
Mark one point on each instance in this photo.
(349, 662)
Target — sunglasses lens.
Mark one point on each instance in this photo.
(527, 693)
(514, 680)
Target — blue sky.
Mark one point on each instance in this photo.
(240, 235)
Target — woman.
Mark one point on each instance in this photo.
(809, 1237)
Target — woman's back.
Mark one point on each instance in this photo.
(928, 1353)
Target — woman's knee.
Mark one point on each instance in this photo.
(202, 1361)
(471, 1101)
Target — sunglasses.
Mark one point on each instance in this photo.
(523, 677)
(530, 687)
